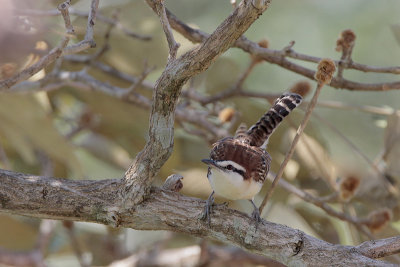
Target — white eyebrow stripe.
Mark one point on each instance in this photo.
(225, 163)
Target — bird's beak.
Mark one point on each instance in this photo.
(208, 162)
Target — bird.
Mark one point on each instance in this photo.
(238, 166)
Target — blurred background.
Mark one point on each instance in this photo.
(76, 133)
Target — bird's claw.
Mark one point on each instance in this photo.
(208, 209)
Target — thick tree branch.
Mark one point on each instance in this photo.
(380, 248)
(96, 201)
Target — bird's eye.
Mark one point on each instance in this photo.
(229, 167)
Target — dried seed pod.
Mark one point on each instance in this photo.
(378, 219)
(348, 187)
(346, 40)
(8, 70)
(264, 44)
(301, 88)
(226, 115)
(326, 69)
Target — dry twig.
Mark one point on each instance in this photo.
(172, 44)
(326, 68)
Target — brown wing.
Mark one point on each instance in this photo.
(257, 159)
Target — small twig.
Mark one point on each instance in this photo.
(88, 41)
(132, 89)
(109, 70)
(286, 50)
(326, 68)
(105, 47)
(275, 57)
(197, 132)
(386, 111)
(172, 44)
(63, 8)
(231, 91)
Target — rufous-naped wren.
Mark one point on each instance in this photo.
(238, 166)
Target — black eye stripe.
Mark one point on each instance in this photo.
(239, 172)
(232, 168)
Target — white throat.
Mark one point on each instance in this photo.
(231, 185)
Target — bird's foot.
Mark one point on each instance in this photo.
(256, 214)
(208, 209)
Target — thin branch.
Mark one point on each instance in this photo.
(231, 91)
(172, 44)
(289, 154)
(95, 201)
(278, 57)
(88, 41)
(110, 70)
(139, 82)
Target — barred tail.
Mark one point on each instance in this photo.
(261, 131)
(241, 132)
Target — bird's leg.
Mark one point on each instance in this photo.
(256, 213)
(208, 208)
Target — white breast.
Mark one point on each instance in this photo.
(232, 185)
